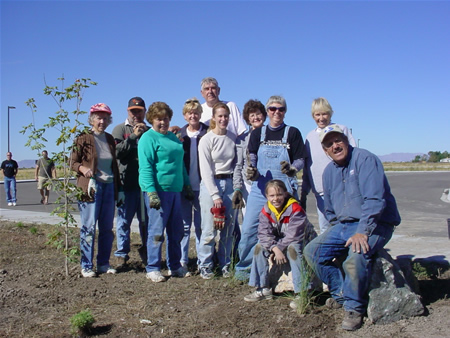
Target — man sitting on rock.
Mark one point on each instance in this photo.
(363, 212)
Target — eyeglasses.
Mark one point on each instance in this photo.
(330, 143)
(191, 101)
(274, 109)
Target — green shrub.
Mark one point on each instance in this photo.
(82, 322)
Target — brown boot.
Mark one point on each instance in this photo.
(352, 321)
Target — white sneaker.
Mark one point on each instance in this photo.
(14, 204)
(259, 294)
(106, 269)
(88, 273)
(9, 204)
(156, 276)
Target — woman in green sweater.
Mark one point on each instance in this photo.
(163, 176)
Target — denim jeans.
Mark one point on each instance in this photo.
(269, 158)
(190, 212)
(260, 266)
(323, 222)
(134, 205)
(167, 218)
(100, 211)
(207, 240)
(10, 189)
(349, 289)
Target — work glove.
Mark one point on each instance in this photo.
(219, 217)
(120, 198)
(287, 169)
(188, 193)
(252, 173)
(237, 201)
(155, 202)
(92, 187)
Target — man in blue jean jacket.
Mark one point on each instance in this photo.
(363, 212)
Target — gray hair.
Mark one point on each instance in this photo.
(208, 80)
(92, 115)
(276, 99)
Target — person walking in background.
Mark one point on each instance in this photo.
(163, 176)
(210, 91)
(275, 152)
(94, 160)
(10, 169)
(363, 213)
(191, 135)
(45, 171)
(217, 159)
(316, 159)
(126, 136)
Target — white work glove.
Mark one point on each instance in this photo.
(92, 187)
(120, 198)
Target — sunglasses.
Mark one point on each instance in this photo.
(329, 144)
(274, 109)
(192, 101)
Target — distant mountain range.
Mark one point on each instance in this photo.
(399, 157)
(394, 157)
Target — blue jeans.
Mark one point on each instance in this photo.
(349, 289)
(134, 205)
(323, 222)
(166, 218)
(190, 211)
(10, 189)
(207, 240)
(260, 266)
(100, 211)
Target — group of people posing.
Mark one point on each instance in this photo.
(220, 162)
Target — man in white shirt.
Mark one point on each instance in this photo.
(210, 91)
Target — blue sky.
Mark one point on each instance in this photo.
(384, 66)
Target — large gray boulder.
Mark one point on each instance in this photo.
(391, 294)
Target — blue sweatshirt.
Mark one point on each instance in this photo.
(359, 192)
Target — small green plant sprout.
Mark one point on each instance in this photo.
(68, 125)
(81, 323)
(19, 225)
(304, 299)
(33, 230)
(420, 271)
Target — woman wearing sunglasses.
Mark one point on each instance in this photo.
(275, 151)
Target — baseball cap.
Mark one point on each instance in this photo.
(100, 107)
(136, 102)
(332, 128)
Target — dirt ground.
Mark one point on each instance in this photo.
(37, 300)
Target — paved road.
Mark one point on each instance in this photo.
(422, 234)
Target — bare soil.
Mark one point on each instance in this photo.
(37, 299)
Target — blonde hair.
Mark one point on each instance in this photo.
(192, 104)
(321, 104)
(276, 184)
(218, 105)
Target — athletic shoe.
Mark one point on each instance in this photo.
(121, 262)
(352, 321)
(9, 204)
(106, 269)
(226, 272)
(14, 204)
(332, 304)
(88, 273)
(206, 273)
(156, 276)
(258, 295)
(180, 272)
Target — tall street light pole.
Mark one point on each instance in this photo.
(9, 107)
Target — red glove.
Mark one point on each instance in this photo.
(219, 217)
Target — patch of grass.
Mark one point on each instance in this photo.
(33, 230)
(420, 271)
(81, 323)
(20, 225)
